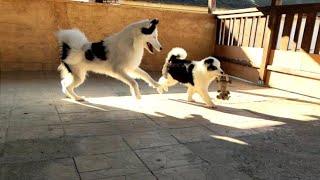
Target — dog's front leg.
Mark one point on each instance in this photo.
(190, 94)
(206, 98)
(139, 73)
(134, 88)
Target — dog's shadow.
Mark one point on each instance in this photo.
(194, 103)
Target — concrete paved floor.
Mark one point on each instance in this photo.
(259, 133)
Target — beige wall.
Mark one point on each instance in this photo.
(27, 30)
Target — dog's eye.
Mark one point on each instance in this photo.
(212, 68)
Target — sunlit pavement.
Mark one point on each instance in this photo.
(259, 133)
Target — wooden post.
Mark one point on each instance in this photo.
(212, 4)
(269, 41)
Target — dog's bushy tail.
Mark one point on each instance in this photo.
(73, 38)
(71, 42)
(175, 53)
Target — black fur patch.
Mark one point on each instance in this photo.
(64, 54)
(210, 66)
(97, 50)
(181, 70)
(150, 30)
(65, 51)
(67, 66)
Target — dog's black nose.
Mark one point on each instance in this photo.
(160, 48)
(222, 72)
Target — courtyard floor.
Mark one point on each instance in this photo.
(260, 133)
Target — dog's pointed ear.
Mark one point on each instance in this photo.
(150, 30)
(154, 21)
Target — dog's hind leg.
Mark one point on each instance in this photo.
(139, 73)
(77, 79)
(134, 88)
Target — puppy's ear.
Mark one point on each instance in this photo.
(150, 29)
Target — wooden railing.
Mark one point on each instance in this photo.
(264, 37)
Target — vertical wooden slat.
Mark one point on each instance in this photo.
(212, 4)
(236, 26)
(230, 31)
(253, 31)
(301, 31)
(317, 48)
(306, 41)
(292, 44)
(223, 32)
(265, 31)
(284, 42)
(247, 30)
(220, 32)
(260, 31)
(241, 29)
(315, 33)
(227, 30)
(281, 27)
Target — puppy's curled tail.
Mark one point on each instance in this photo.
(175, 53)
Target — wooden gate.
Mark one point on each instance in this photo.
(277, 45)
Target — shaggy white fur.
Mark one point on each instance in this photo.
(124, 54)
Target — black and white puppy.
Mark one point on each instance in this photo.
(196, 75)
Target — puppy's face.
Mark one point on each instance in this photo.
(213, 66)
(150, 35)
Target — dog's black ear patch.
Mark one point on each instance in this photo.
(65, 51)
(210, 66)
(208, 61)
(97, 50)
(150, 30)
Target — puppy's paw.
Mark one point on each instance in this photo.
(191, 100)
(211, 106)
(138, 96)
(78, 98)
(160, 90)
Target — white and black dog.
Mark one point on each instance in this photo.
(118, 56)
(196, 75)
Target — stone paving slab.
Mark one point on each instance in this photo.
(34, 132)
(150, 139)
(168, 156)
(62, 169)
(216, 152)
(95, 145)
(230, 131)
(172, 122)
(201, 172)
(110, 128)
(74, 118)
(192, 134)
(28, 109)
(109, 165)
(139, 176)
(79, 107)
(34, 150)
(34, 119)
